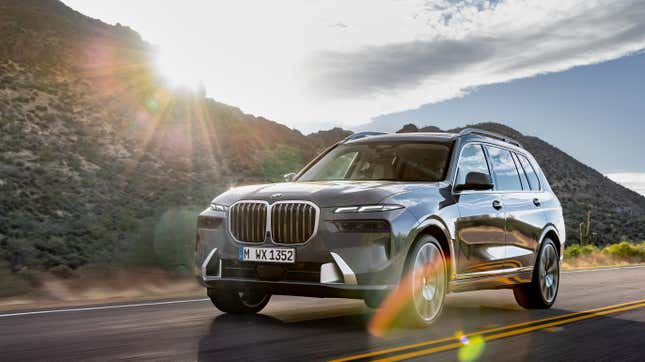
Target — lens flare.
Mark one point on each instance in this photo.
(397, 302)
(471, 348)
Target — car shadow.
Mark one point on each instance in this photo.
(269, 338)
(266, 338)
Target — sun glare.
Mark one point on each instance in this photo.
(178, 69)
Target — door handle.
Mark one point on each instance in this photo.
(536, 201)
(497, 204)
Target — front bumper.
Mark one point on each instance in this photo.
(331, 264)
(336, 279)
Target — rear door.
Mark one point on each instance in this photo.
(524, 216)
(480, 227)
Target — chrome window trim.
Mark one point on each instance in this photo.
(535, 171)
(494, 191)
(269, 219)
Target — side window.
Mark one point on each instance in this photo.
(506, 175)
(525, 181)
(472, 160)
(531, 175)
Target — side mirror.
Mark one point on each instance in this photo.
(289, 177)
(476, 181)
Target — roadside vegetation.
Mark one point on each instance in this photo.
(623, 253)
(102, 282)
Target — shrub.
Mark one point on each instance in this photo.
(280, 161)
(11, 284)
(173, 235)
(576, 250)
(626, 250)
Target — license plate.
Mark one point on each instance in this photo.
(268, 255)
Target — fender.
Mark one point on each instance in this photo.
(436, 221)
(547, 229)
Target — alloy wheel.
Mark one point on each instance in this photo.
(549, 273)
(428, 282)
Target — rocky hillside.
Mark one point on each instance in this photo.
(98, 157)
(617, 213)
(100, 162)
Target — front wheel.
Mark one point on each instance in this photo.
(427, 281)
(541, 292)
(248, 301)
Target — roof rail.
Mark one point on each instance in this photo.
(498, 136)
(359, 135)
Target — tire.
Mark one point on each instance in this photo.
(426, 276)
(542, 291)
(248, 301)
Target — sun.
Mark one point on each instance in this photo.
(179, 69)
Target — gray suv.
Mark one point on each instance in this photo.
(407, 216)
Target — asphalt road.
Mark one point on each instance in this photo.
(306, 329)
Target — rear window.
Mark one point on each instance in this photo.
(506, 175)
(531, 175)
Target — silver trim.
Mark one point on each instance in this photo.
(205, 265)
(348, 275)
(494, 272)
(268, 220)
(329, 274)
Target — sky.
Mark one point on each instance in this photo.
(318, 64)
(596, 113)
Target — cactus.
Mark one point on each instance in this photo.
(585, 230)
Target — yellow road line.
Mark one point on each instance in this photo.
(496, 329)
(508, 334)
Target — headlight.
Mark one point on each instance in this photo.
(219, 207)
(366, 208)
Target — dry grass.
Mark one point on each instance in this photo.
(595, 261)
(101, 285)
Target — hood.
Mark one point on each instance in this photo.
(323, 194)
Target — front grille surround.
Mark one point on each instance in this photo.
(247, 221)
(297, 233)
(290, 233)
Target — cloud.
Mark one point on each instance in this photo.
(631, 180)
(311, 64)
(467, 44)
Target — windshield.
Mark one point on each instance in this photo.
(391, 161)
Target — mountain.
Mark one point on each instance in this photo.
(101, 162)
(322, 139)
(617, 212)
(97, 155)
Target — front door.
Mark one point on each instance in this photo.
(480, 227)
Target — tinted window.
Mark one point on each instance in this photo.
(394, 161)
(505, 172)
(531, 175)
(472, 160)
(525, 181)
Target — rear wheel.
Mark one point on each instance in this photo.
(541, 292)
(426, 275)
(246, 301)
